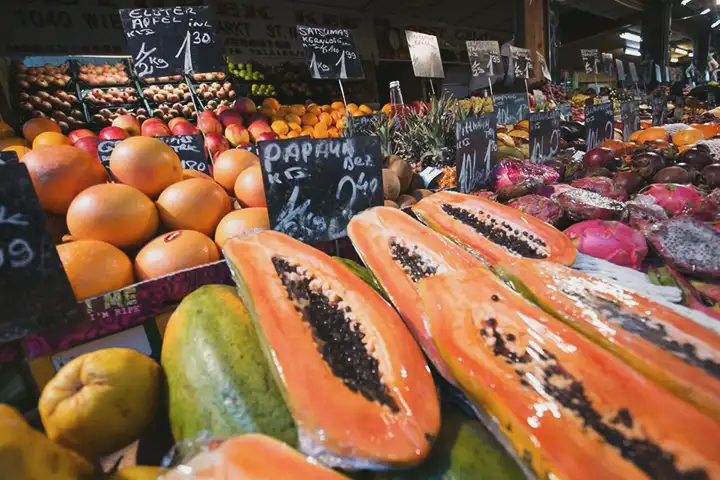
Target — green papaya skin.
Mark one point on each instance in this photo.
(364, 273)
(218, 380)
(464, 450)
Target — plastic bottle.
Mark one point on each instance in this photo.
(398, 107)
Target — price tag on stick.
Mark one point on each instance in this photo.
(630, 116)
(190, 149)
(314, 187)
(511, 108)
(607, 63)
(167, 41)
(633, 72)
(522, 62)
(544, 67)
(425, 55)
(485, 63)
(544, 136)
(591, 60)
(34, 290)
(330, 53)
(476, 152)
(620, 69)
(598, 124)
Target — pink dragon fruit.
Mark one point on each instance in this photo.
(485, 194)
(543, 208)
(550, 190)
(602, 185)
(513, 177)
(609, 240)
(644, 213)
(688, 246)
(582, 204)
(675, 198)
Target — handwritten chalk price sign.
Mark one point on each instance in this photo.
(608, 64)
(630, 116)
(8, 157)
(598, 124)
(190, 149)
(34, 290)
(511, 108)
(314, 187)
(522, 62)
(476, 152)
(425, 55)
(544, 136)
(330, 53)
(364, 125)
(633, 72)
(591, 60)
(620, 69)
(167, 41)
(485, 62)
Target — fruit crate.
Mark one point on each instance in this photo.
(101, 117)
(31, 74)
(170, 100)
(62, 105)
(212, 90)
(110, 71)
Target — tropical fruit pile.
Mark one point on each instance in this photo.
(152, 219)
(317, 365)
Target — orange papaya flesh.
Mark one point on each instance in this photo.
(356, 383)
(663, 345)
(253, 457)
(399, 251)
(493, 231)
(571, 409)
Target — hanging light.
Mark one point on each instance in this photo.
(631, 36)
(632, 52)
(691, 54)
(715, 24)
(684, 2)
(705, 12)
(681, 51)
(674, 60)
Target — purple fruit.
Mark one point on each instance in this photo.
(629, 181)
(688, 246)
(647, 164)
(609, 240)
(585, 205)
(644, 213)
(598, 157)
(674, 198)
(603, 186)
(697, 158)
(513, 178)
(598, 172)
(674, 174)
(711, 174)
(541, 207)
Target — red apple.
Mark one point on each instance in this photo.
(266, 136)
(245, 106)
(128, 123)
(113, 133)
(184, 128)
(214, 142)
(230, 117)
(153, 120)
(89, 144)
(257, 127)
(209, 125)
(76, 135)
(244, 144)
(205, 114)
(155, 129)
(221, 109)
(237, 134)
(174, 121)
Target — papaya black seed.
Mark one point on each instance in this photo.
(414, 265)
(494, 298)
(506, 237)
(338, 340)
(570, 393)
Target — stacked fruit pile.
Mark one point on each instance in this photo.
(170, 100)
(147, 224)
(339, 363)
(45, 76)
(104, 74)
(249, 73)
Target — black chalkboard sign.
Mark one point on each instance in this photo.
(608, 64)
(314, 187)
(476, 152)
(511, 108)
(34, 290)
(251, 148)
(630, 116)
(485, 63)
(658, 104)
(598, 124)
(190, 149)
(425, 55)
(620, 69)
(591, 60)
(364, 125)
(633, 72)
(8, 157)
(330, 53)
(544, 136)
(522, 62)
(168, 41)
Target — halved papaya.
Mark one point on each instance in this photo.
(571, 409)
(493, 231)
(356, 383)
(400, 251)
(668, 348)
(252, 457)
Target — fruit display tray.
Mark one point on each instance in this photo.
(94, 72)
(63, 106)
(211, 94)
(42, 73)
(170, 100)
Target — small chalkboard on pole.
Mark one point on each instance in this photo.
(522, 62)
(485, 63)
(544, 136)
(591, 60)
(168, 41)
(598, 124)
(425, 55)
(476, 152)
(630, 116)
(330, 53)
(190, 149)
(314, 187)
(511, 108)
(34, 290)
